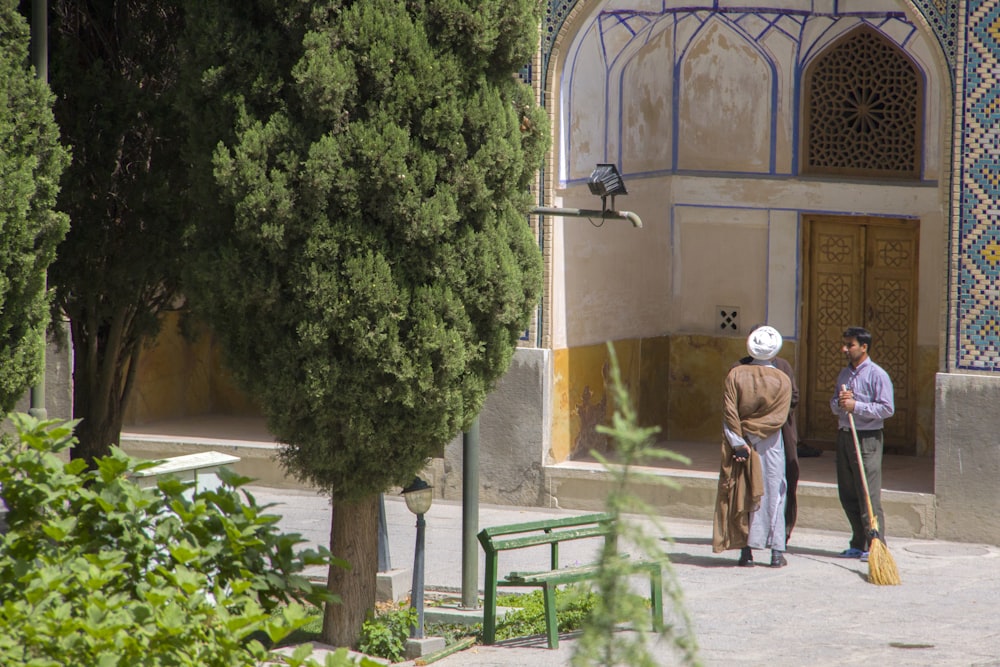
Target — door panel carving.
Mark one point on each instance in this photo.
(892, 302)
(860, 271)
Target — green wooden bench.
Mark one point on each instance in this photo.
(552, 532)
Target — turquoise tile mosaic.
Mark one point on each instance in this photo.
(976, 199)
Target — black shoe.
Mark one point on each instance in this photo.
(807, 452)
(778, 559)
(746, 557)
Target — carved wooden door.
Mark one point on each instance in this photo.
(861, 271)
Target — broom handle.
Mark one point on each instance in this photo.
(864, 479)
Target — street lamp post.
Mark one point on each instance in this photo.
(419, 495)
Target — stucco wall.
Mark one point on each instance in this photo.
(675, 382)
(179, 376)
(700, 112)
(514, 437)
(967, 461)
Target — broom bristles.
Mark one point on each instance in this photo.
(881, 566)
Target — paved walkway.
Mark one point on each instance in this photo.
(819, 610)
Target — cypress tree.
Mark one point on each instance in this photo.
(369, 267)
(114, 70)
(31, 161)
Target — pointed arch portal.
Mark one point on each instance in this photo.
(720, 200)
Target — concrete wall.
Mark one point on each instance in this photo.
(514, 434)
(58, 383)
(967, 460)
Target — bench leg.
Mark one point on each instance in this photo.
(551, 625)
(490, 601)
(656, 597)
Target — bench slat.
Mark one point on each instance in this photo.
(547, 538)
(546, 524)
(574, 573)
(528, 578)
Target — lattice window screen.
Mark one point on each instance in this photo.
(864, 102)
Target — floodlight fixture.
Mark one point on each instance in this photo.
(606, 181)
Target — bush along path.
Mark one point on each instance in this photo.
(98, 571)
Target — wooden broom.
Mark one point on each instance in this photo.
(881, 566)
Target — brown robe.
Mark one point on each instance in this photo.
(741, 485)
(756, 400)
(790, 438)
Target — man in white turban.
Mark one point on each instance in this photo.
(750, 508)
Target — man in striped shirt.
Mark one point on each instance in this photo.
(864, 390)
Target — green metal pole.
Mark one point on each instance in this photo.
(384, 564)
(40, 59)
(470, 516)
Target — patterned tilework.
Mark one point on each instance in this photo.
(941, 16)
(976, 290)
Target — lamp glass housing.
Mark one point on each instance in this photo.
(418, 495)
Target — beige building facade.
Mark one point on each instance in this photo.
(787, 162)
(809, 164)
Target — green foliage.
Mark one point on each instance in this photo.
(370, 267)
(31, 161)
(574, 604)
(308, 632)
(114, 69)
(97, 568)
(339, 658)
(385, 634)
(601, 644)
(453, 633)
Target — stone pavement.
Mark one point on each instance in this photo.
(819, 610)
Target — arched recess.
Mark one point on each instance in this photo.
(647, 136)
(863, 109)
(592, 91)
(718, 105)
(706, 216)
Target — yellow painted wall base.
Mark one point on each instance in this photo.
(675, 382)
(177, 377)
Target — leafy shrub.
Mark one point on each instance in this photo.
(453, 633)
(97, 571)
(385, 634)
(310, 631)
(574, 605)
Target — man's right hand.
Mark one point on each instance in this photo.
(845, 399)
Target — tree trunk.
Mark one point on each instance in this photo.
(99, 429)
(104, 366)
(353, 537)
